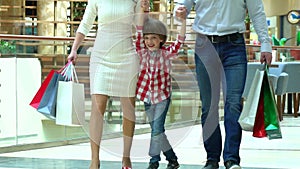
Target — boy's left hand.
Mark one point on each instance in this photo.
(181, 12)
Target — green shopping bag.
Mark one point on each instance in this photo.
(271, 118)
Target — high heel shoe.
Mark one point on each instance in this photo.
(126, 168)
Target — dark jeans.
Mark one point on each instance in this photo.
(159, 143)
(225, 64)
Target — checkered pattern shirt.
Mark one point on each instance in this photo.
(154, 82)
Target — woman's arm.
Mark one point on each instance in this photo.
(73, 54)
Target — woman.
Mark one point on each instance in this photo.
(113, 68)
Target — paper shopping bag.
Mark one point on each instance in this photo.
(35, 102)
(47, 105)
(247, 117)
(259, 124)
(271, 119)
(70, 108)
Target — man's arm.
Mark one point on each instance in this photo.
(258, 17)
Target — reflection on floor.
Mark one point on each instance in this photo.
(256, 153)
(39, 163)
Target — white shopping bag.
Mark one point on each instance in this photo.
(70, 108)
(247, 117)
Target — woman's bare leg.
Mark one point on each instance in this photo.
(96, 127)
(128, 108)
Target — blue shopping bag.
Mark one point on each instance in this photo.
(47, 105)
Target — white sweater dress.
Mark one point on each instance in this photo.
(114, 61)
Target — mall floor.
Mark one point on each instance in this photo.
(256, 153)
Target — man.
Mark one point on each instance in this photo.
(220, 57)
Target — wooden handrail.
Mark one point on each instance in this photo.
(88, 39)
(276, 47)
(27, 21)
(40, 38)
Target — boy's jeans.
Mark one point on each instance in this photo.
(157, 115)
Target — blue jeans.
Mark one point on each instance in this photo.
(225, 64)
(159, 143)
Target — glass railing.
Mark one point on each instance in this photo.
(25, 62)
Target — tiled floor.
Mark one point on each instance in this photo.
(256, 153)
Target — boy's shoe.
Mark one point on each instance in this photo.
(153, 165)
(211, 165)
(230, 164)
(173, 164)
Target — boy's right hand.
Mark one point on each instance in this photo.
(145, 4)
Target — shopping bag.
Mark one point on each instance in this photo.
(70, 108)
(48, 102)
(259, 124)
(248, 114)
(35, 102)
(271, 119)
(264, 110)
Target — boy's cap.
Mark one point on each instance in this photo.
(154, 26)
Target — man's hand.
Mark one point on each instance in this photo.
(266, 57)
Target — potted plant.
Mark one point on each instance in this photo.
(7, 47)
(247, 24)
(78, 10)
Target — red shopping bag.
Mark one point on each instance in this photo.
(47, 104)
(259, 124)
(35, 102)
(266, 121)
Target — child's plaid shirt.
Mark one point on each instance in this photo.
(154, 81)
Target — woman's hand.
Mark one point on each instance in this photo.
(72, 57)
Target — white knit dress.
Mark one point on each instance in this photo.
(114, 61)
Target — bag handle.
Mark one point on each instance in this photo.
(66, 71)
(74, 74)
(64, 67)
(69, 72)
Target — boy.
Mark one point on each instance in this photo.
(154, 82)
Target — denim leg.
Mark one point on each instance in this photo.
(234, 61)
(235, 79)
(209, 72)
(211, 131)
(157, 115)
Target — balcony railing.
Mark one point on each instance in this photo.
(30, 61)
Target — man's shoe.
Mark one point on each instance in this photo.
(173, 164)
(230, 164)
(154, 165)
(211, 165)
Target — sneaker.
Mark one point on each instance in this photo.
(173, 164)
(211, 165)
(230, 164)
(153, 165)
